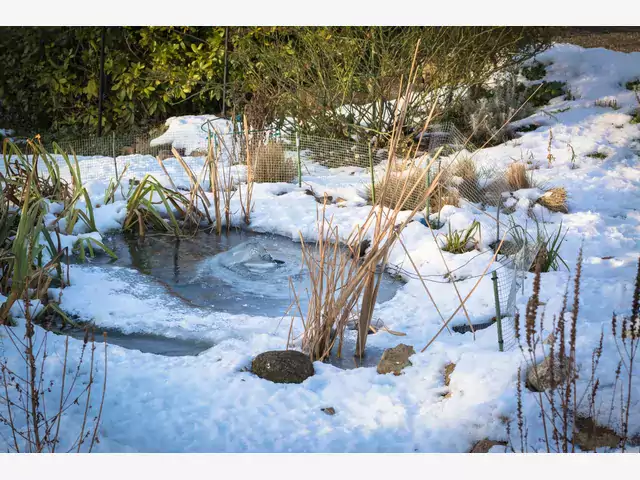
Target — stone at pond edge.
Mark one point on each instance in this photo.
(395, 359)
(484, 445)
(282, 366)
(538, 378)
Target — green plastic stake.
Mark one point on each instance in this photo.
(494, 278)
(373, 180)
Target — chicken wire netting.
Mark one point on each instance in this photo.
(516, 261)
(274, 156)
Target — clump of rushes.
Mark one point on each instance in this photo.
(548, 256)
(270, 164)
(142, 211)
(607, 103)
(22, 258)
(443, 196)
(517, 177)
(342, 287)
(396, 193)
(461, 241)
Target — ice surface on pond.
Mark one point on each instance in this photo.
(237, 272)
(260, 267)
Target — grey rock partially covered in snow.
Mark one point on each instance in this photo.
(539, 376)
(283, 366)
(395, 359)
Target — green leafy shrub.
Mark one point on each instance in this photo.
(535, 71)
(545, 93)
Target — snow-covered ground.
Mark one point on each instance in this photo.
(209, 403)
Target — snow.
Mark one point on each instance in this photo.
(209, 403)
(188, 132)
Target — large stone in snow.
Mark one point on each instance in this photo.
(395, 359)
(539, 376)
(283, 366)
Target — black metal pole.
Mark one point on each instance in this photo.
(226, 71)
(101, 88)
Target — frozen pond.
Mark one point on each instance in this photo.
(144, 342)
(238, 273)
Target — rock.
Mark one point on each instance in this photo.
(538, 378)
(484, 445)
(283, 366)
(591, 436)
(329, 410)
(395, 359)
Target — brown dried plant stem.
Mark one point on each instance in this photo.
(212, 162)
(247, 205)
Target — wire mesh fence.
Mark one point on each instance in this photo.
(515, 264)
(271, 156)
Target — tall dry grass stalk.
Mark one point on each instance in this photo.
(220, 178)
(213, 156)
(342, 284)
(247, 204)
(331, 268)
(198, 207)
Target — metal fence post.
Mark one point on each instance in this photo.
(494, 279)
(373, 179)
(498, 220)
(299, 159)
(428, 205)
